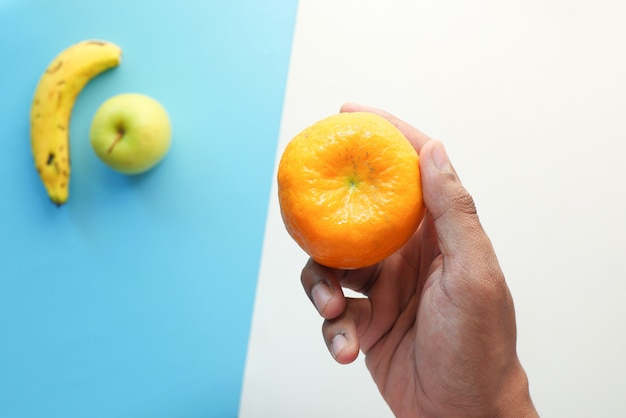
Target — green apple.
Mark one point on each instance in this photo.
(131, 133)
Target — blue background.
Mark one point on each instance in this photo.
(135, 298)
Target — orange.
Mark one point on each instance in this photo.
(349, 190)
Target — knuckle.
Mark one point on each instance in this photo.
(488, 275)
(463, 201)
(485, 282)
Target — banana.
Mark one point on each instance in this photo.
(51, 110)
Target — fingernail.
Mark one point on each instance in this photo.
(440, 158)
(338, 344)
(320, 294)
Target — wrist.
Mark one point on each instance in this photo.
(515, 401)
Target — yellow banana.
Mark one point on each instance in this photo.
(56, 92)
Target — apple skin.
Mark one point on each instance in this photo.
(131, 133)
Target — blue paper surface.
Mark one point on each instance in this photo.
(135, 298)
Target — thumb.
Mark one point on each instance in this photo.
(452, 208)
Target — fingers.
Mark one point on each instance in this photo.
(344, 317)
(342, 333)
(323, 288)
(415, 137)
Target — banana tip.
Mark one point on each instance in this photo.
(57, 202)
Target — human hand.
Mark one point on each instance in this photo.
(437, 323)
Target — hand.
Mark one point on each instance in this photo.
(437, 323)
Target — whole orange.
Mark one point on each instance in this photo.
(349, 190)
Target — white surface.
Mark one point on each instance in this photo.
(530, 99)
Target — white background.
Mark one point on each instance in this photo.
(530, 99)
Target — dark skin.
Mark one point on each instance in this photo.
(437, 322)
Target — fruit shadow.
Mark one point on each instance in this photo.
(93, 203)
(114, 182)
(107, 188)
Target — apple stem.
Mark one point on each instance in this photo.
(120, 135)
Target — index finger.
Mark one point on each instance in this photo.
(415, 137)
